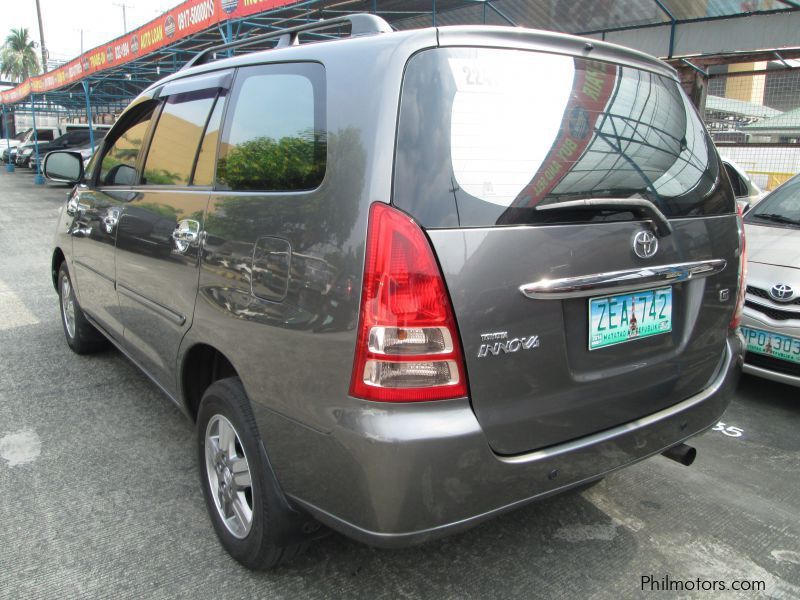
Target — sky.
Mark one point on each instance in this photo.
(100, 20)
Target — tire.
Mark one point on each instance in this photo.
(241, 460)
(82, 337)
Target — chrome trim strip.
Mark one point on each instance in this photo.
(628, 280)
(154, 306)
(771, 375)
(758, 301)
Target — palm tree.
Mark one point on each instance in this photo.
(18, 58)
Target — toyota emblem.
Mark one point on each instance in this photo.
(645, 244)
(781, 292)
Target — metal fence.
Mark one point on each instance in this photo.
(753, 113)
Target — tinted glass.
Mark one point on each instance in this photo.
(204, 169)
(486, 136)
(780, 208)
(739, 189)
(119, 162)
(44, 135)
(176, 138)
(275, 139)
(79, 137)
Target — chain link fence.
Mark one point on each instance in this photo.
(753, 113)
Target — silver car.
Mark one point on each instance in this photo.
(771, 322)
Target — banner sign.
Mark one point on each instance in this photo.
(591, 91)
(188, 18)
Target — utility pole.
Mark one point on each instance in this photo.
(41, 37)
(123, 6)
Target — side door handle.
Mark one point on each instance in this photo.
(186, 234)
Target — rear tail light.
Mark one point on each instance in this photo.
(407, 348)
(737, 314)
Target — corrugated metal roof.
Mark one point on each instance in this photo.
(575, 16)
(786, 123)
(740, 107)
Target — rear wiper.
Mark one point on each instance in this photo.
(776, 218)
(638, 206)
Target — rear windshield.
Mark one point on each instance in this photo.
(485, 136)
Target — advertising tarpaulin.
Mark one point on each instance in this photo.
(188, 18)
(591, 90)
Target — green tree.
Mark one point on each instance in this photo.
(18, 58)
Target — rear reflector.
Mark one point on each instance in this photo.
(407, 348)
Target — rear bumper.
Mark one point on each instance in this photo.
(400, 475)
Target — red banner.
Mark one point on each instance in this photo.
(188, 18)
(591, 90)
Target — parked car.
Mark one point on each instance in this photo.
(10, 145)
(43, 134)
(407, 286)
(74, 139)
(747, 193)
(771, 322)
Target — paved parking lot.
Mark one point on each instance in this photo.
(99, 494)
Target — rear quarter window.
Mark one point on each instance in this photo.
(275, 138)
(485, 136)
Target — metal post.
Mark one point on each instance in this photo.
(229, 35)
(434, 12)
(10, 165)
(86, 92)
(673, 24)
(37, 179)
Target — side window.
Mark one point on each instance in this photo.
(176, 138)
(119, 162)
(275, 137)
(204, 170)
(45, 135)
(739, 188)
(79, 137)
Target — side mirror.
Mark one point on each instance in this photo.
(64, 166)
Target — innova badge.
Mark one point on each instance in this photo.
(499, 343)
(645, 244)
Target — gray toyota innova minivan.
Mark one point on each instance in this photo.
(406, 281)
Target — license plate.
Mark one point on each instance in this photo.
(772, 344)
(626, 317)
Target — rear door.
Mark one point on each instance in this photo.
(588, 242)
(160, 228)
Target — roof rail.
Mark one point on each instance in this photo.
(360, 24)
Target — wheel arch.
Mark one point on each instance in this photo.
(55, 265)
(202, 365)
